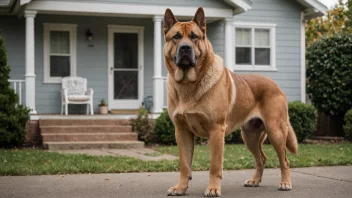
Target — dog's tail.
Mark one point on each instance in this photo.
(291, 142)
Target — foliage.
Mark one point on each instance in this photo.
(337, 20)
(165, 129)
(303, 118)
(13, 117)
(348, 125)
(144, 126)
(329, 74)
(234, 137)
(102, 103)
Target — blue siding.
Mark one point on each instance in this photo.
(91, 61)
(286, 14)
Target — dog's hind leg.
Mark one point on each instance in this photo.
(185, 144)
(254, 141)
(277, 131)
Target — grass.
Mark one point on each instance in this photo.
(38, 162)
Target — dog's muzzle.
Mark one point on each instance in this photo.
(185, 56)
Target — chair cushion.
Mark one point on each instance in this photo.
(78, 98)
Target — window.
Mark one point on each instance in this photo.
(255, 47)
(59, 52)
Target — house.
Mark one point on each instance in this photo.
(117, 45)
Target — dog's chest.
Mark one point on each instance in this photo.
(193, 121)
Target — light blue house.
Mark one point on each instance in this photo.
(117, 45)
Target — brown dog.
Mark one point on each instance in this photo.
(208, 100)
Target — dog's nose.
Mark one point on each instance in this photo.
(185, 48)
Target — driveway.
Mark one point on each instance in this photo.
(307, 182)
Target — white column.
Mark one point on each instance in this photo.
(30, 74)
(229, 47)
(157, 79)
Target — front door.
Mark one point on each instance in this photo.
(125, 67)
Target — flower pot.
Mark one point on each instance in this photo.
(103, 109)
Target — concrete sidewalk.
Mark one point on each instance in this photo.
(307, 182)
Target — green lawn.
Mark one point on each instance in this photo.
(37, 162)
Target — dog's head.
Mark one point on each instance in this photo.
(186, 46)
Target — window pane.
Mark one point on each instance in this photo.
(243, 36)
(243, 55)
(126, 50)
(262, 37)
(59, 42)
(59, 66)
(262, 56)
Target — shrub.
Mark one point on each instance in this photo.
(13, 117)
(348, 125)
(329, 74)
(303, 118)
(144, 126)
(165, 129)
(234, 137)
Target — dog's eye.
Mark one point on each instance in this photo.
(193, 36)
(176, 37)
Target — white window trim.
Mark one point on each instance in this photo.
(252, 26)
(72, 28)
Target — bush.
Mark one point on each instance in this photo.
(303, 118)
(165, 129)
(329, 74)
(144, 126)
(234, 137)
(348, 125)
(13, 117)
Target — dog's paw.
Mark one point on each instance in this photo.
(251, 183)
(176, 191)
(285, 186)
(212, 192)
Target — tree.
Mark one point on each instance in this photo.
(329, 84)
(13, 117)
(337, 20)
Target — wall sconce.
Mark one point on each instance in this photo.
(89, 35)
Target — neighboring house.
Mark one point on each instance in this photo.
(118, 45)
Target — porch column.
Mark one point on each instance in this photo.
(157, 79)
(229, 47)
(30, 74)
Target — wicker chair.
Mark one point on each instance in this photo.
(74, 91)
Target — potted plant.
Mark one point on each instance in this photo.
(103, 107)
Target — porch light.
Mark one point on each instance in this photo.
(89, 35)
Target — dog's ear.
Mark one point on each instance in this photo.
(199, 19)
(169, 20)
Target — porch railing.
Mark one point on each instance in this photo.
(17, 87)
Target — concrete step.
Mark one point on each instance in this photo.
(77, 137)
(86, 129)
(93, 145)
(85, 121)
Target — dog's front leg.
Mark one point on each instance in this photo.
(185, 144)
(216, 143)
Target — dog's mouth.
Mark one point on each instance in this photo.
(185, 61)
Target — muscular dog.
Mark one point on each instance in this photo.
(208, 100)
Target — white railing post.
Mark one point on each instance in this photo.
(19, 91)
(157, 79)
(30, 73)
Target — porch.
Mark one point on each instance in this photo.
(96, 41)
